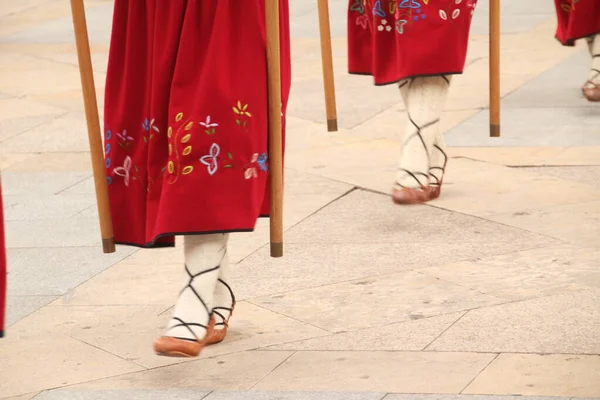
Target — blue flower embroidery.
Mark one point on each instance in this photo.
(108, 135)
(262, 162)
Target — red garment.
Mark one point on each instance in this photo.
(577, 19)
(397, 39)
(2, 269)
(186, 117)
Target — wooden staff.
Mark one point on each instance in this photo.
(494, 68)
(93, 123)
(275, 127)
(327, 59)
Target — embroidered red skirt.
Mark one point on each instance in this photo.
(2, 269)
(577, 19)
(186, 117)
(397, 39)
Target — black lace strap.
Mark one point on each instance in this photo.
(438, 181)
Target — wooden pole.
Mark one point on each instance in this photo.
(93, 124)
(327, 59)
(494, 68)
(275, 127)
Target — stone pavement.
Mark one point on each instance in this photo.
(492, 290)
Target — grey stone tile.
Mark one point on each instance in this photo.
(348, 89)
(65, 134)
(308, 265)
(40, 183)
(18, 307)
(376, 301)
(523, 127)
(54, 271)
(10, 128)
(129, 394)
(86, 186)
(526, 274)
(305, 23)
(557, 87)
(565, 324)
(19, 6)
(585, 174)
(466, 397)
(27, 208)
(404, 336)
(60, 30)
(364, 217)
(260, 395)
(52, 233)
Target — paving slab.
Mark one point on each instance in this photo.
(564, 323)
(36, 184)
(29, 357)
(376, 301)
(540, 375)
(526, 274)
(172, 394)
(33, 271)
(233, 372)
(405, 336)
(262, 395)
(18, 307)
(377, 372)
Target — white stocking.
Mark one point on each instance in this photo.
(204, 255)
(594, 46)
(423, 146)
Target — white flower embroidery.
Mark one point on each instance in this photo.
(210, 160)
(251, 173)
(208, 123)
(124, 171)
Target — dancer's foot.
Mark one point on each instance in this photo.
(186, 334)
(168, 346)
(408, 196)
(591, 89)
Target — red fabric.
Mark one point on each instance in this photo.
(2, 268)
(397, 39)
(186, 117)
(577, 19)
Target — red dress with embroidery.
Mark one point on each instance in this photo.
(186, 117)
(397, 39)
(2, 269)
(577, 19)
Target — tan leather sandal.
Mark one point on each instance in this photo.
(180, 347)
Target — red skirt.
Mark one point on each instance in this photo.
(186, 117)
(577, 19)
(2, 269)
(397, 39)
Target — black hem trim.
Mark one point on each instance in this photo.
(406, 77)
(155, 245)
(1, 334)
(571, 41)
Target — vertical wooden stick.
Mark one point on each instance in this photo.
(327, 59)
(275, 126)
(494, 68)
(93, 123)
